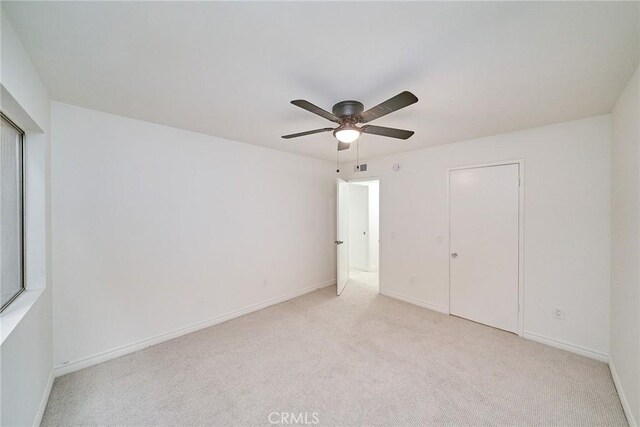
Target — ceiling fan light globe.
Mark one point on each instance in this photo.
(347, 135)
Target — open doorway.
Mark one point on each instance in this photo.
(364, 235)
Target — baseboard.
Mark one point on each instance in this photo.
(563, 345)
(622, 396)
(43, 402)
(142, 344)
(415, 301)
(583, 351)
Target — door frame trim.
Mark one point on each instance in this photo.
(521, 191)
(379, 179)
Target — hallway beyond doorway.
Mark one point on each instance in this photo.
(367, 278)
(364, 234)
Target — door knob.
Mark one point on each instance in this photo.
(454, 255)
(339, 242)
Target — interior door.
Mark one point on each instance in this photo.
(484, 234)
(342, 235)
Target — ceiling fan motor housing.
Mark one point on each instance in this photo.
(347, 109)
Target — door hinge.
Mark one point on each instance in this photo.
(519, 182)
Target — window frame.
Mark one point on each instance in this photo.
(21, 189)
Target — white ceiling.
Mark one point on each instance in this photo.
(230, 69)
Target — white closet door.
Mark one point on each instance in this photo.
(484, 233)
(342, 235)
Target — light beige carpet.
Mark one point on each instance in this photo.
(359, 359)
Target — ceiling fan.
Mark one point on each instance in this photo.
(348, 114)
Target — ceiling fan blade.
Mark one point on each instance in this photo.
(315, 110)
(343, 146)
(309, 132)
(390, 132)
(396, 103)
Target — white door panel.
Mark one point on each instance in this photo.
(342, 235)
(484, 240)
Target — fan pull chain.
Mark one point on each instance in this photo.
(337, 162)
(358, 154)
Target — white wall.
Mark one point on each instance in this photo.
(566, 225)
(157, 229)
(358, 225)
(26, 352)
(625, 248)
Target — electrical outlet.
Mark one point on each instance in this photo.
(412, 279)
(558, 313)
